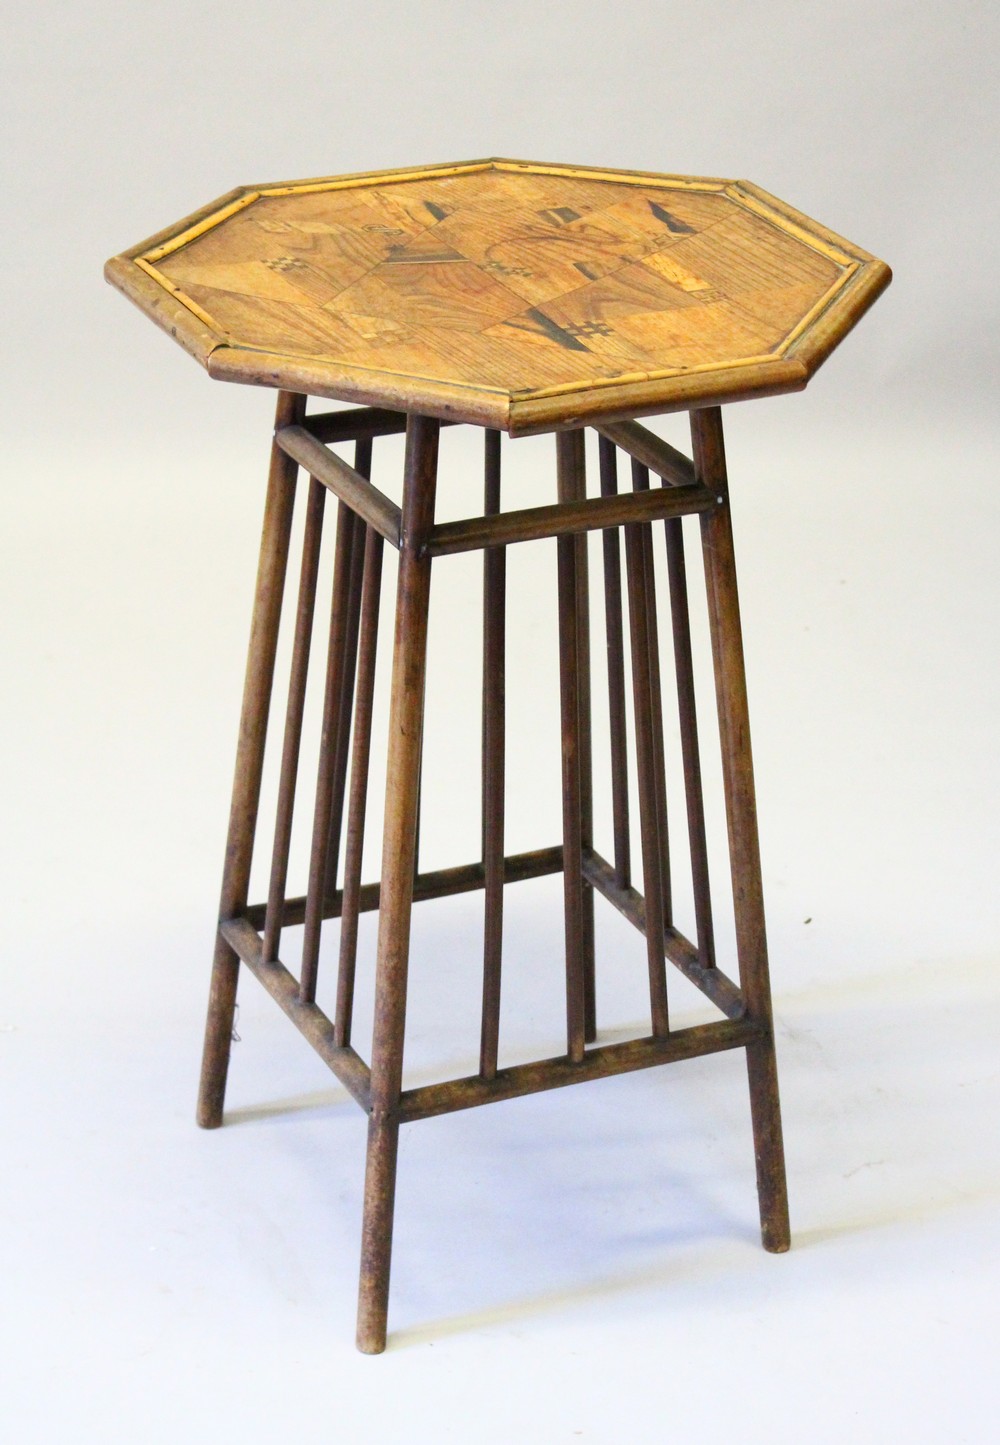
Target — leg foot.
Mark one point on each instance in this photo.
(249, 760)
(218, 1035)
(376, 1234)
(772, 1191)
(741, 814)
(399, 842)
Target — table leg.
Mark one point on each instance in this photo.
(270, 587)
(741, 816)
(573, 667)
(494, 645)
(399, 838)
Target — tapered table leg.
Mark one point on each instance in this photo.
(494, 646)
(573, 675)
(741, 816)
(271, 569)
(399, 839)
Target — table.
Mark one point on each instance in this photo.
(519, 298)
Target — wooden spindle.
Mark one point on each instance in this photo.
(358, 796)
(690, 756)
(640, 481)
(616, 670)
(494, 642)
(569, 453)
(347, 522)
(305, 611)
(362, 465)
(586, 755)
(638, 607)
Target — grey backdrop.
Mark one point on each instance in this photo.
(586, 1267)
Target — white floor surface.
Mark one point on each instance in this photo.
(577, 1266)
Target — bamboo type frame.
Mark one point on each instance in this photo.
(251, 934)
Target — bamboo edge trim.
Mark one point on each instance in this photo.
(179, 295)
(863, 277)
(568, 388)
(735, 190)
(839, 254)
(200, 227)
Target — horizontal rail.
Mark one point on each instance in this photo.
(441, 883)
(531, 523)
(312, 1022)
(652, 451)
(681, 952)
(599, 1063)
(356, 491)
(357, 423)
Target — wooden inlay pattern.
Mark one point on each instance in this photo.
(515, 295)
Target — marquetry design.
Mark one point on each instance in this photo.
(519, 296)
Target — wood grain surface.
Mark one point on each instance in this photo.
(506, 293)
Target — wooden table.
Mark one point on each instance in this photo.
(520, 298)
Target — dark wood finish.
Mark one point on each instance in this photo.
(569, 466)
(352, 646)
(346, 482)
(354, 423)
(741, 817)
(572, 483)
(599, 1063)
(311, 542)
(635, 566)
(640, 481)
(363, 465)
(310, 1020)
(416, 826)
(399, 839)
(357, 803)
(618, 723)
(690, 755)
(249, 763)
(679, 950)
(329, 738)
(586, 748)
(651, 451)
(494, 646)
(438, 883)
(530, 524)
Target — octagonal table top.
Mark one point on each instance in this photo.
(511, 294)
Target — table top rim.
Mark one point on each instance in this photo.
(135, 272)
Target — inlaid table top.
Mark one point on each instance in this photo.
(516, 295)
